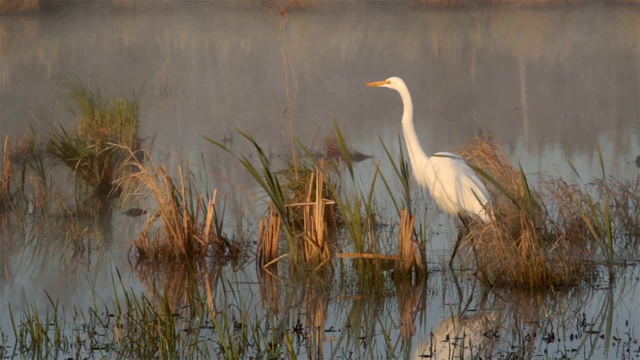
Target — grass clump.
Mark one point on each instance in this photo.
(299, 207)
(552, 236)
(185, 224)
(96, 149)
(526, 245)
(308, 204)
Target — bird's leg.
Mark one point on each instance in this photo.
(461, 234)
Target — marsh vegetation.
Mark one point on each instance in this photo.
(246, 247)
(321, 224)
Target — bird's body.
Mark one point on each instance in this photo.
(452, 183)
(454, 189)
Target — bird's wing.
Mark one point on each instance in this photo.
(456, 187)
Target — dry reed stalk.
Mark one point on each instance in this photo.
(315, 249)
(7, 171)
(407, 252)
(313, 240)
(186, 222)
(286, 63)
(268, 237)
(219, 243)
(368, 256)
(39, 194)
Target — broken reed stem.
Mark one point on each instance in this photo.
(270, 226)
(369, 256)
(218, 241)
(313, 239)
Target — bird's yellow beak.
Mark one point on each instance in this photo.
(378, 83)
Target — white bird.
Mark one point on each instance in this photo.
(453, 184)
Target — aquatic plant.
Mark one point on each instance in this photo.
(297, 201)
(184, 225)
(95, 150)
(518, 248)
(543, 237)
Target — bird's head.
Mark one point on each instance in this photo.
(391, 83)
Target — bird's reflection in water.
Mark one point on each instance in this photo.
(461, 337)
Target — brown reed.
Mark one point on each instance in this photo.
(523, 246)
(269, 235)
(183, 226)
(6, 172)
(409, 259)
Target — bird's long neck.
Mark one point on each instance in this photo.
(417, 155)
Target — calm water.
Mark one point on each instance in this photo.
(554, 84)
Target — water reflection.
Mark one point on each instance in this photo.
(462, 337)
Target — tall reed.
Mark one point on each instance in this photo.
(6, 172)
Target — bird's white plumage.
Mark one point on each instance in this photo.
(452, 183)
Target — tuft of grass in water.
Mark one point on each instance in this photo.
(358, 210)
(623, 201)
(184, 225)
(606, 211)
(95, 150)
(547, 237)
(521, 246)
(298, 206)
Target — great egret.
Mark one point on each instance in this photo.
(453, 184)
